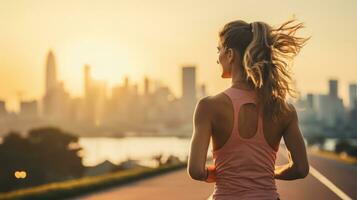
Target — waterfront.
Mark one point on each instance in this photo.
(116, 150)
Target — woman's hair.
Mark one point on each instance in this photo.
(266, 53)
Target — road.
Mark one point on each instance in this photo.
(328, 179)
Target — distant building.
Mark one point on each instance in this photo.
(49, 100)
(75, 109)
(352, 88)
(95, 98)
(100, 100)
(51, 72)
(89, 99)
(55, 100)
(29, 108)
(189, 97)
(146, 86)
(330, 110)
(333, 88)
(2, 108)
(310, 101)
(126, 83)
(202, 91)
(87, 81)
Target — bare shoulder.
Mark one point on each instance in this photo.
(211, 103)
(290, 116)
(219, 98)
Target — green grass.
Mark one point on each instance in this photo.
(76, 187)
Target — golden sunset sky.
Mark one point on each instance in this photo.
(158, 37)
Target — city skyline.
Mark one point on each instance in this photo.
(119, 43)
(111, 111)
(52, 80)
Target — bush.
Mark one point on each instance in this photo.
(342, 145)
(45, 155)
(352, 151)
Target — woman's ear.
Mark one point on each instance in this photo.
(231, 55)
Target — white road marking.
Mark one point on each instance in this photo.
(327, 183)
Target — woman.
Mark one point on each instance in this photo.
(248, 120)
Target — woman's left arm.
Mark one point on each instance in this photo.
(196, 166)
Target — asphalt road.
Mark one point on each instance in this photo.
(328, 179)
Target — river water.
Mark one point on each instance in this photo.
(116, 150)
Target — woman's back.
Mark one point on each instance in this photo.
(222, 123)
(243, 151)
(246, 127)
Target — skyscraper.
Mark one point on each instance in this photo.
(333, 87)
(56, 98)
(352, 95)
(89, 96)
(310, 101)
(50, 99)
(87, 80)
(2, 108)
(330, 107)
(189, 89)
(95, 98)
(146, 86)
(189, 84)
(51, 74)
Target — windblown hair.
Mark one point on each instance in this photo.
(266, 53)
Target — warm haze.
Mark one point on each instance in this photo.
(156, 38)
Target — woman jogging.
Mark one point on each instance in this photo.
(248, 119)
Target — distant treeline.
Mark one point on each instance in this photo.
(342, 144)
(44, 155)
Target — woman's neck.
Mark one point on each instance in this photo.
(241, 84)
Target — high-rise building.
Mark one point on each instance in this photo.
(51, 73)
(95, 98)
(189, 84)
(202, 90)
(146, 86)
(2, 108)
(330, 108)
(352, 95)
(89, 96)
(56, 98)
(87, 80)
(100, 100)
(189, 97)
(126, 83)
(333, 88)
(310, 101)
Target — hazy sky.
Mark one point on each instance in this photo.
(157, 37)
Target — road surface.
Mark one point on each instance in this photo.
(328, 179)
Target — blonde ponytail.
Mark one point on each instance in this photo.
(266, 54)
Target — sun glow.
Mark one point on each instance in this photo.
(109, 61)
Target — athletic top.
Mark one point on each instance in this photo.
(244, 166)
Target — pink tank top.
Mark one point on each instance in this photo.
(244, 166)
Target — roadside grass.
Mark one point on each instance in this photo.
(76, 187)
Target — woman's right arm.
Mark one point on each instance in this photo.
(298, 166)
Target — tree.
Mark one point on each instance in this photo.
(46, 155)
